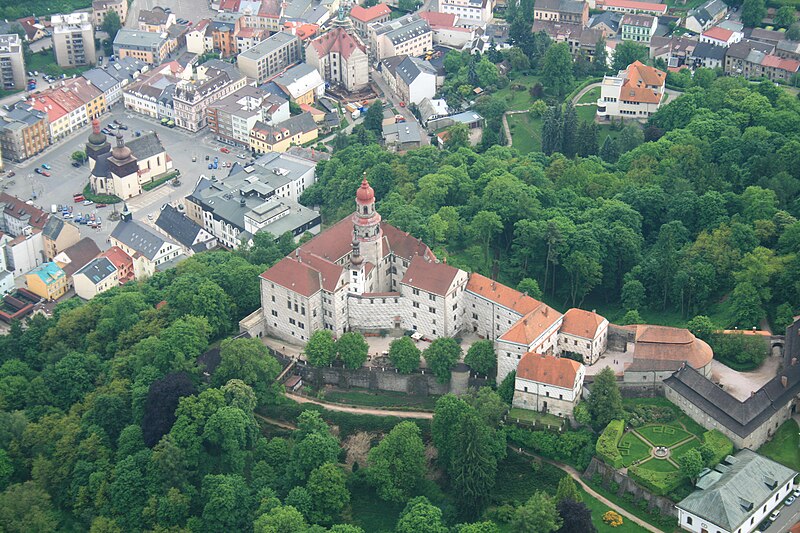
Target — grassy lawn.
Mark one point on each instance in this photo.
(395, 400)
(785, 445)
(598, 509)
(658, 465)
(526, 133)
(663, 435)
(518, 99)
(632, 448)
(683, 448)
(590, 97)
(663, 522)
(45, 61)
(586, 112)
(535, 417)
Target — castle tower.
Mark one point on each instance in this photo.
(368, 235)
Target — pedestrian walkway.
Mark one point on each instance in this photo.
(359, 410)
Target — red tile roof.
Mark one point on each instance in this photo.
(720, 34)
(789, 65)
(333, 243)
(633, 4)
(337, 41)
(331, 272)
(637, 85)
(531, 326)
(547, 369)
(501, 295)
(430, 276)
(661, 343)
(293, 275)
(17, 208)
(370, 13)
(581, 323)
(403, 244)
(439, 20)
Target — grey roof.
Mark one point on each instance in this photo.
(269, 45)
(138, 237)
(52, 228)
(740, 417)
(466, 117)
(179, 227)
(248, 101)
(413, 67)
(303, 122)
(22, 114)
(125, 68)
(709, 51)
(100, 79)
(402, 29)
(764, 36)
(153, 17)
(743, 48)
(792, 47)
(309, 154)
(98, 269)
(137, 39)
(311, 11)
(406, 133)
(744, 483)
(562, 6)
(145, 146)
(609, 18)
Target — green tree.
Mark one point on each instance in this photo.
(111, 24)
(440, 357)
(537, 515)
(487, 404)
(25, 507)
(567, 490)
(485, 226)
(506, 388)
(605, 401)
(404, 355)
(691, 463)
(600, 60)
(329, 495)
(633, 295)
(352, 349)
(78, 156)
(101, 524)
(557, 69)
(373, 119)
(575, 517)
(314, 450)
(701, 326)
(481, 357)
(609, 152)
(628, 52)
(226, 501)
(746, 305)
(249, 361)
(457, 137)
(530, 287)
(447, 416)
(793, 33)
(631, 317)
(421, 516)
(753, 12)
(281, 519)
(321, 348)
(397, 463)
(477, 527)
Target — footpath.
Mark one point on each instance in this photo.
(359, 410)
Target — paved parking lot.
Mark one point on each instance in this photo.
(65, 180)
(192, 10)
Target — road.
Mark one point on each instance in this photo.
(66, 180)
(360, 410)
(395, 101)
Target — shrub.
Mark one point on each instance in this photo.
(659, 483)
(573, 447)
(607, 443)
(721, 446)
(612, 518)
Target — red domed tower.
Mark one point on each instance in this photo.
(367, 243)
(366, 221)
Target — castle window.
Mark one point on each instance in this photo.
(432, 310)
(415, 292)
(274, 313)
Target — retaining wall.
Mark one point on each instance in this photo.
(665, 506)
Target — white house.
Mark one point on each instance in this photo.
(148, 250)
(721, 36)
(97, 276)
(737, 495)
(548, 384)
(634, 93)
(469, 12)
(584, 333)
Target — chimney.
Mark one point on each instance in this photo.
(546, 310)
(785, 382)
(752, 393)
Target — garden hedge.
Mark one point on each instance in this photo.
(659, 483)
(719, 444)
(607, 443)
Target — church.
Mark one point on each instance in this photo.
(363, 274)
(123, 169)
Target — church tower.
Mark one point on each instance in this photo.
(97, 144)
(367, 234)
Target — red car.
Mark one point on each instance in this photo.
(78, 198)
(102, 205)
(45, 173)
(224, 150)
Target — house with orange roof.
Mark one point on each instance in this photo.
(340, 58)
(548, 384)
(362, 17)
(635, 93)
(721, 36)
(69, 105)
(630, 6)
(583, 333)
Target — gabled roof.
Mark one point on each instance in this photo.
(178, 226)
(330, 273)
(302, 123)
(550, 370)
(584, 324)
(501, 295)
(298, 80)
(634, 5)
(430, 276)
(773, 61)
(77, 256)
(671, 344)
(531, 326)
(438, 20)
(638, 20)
(741, 485)
(561, 6)
(709, 51)
(367, 15)
(295, 275)
(337, 41)
(720, 34)
(97, 270)
(17, 208)
(139, 238)
(118, 257)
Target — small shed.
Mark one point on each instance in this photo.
(293, 383)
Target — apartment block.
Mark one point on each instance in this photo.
(148, 47)
(270, 57)
(23, 133)
(73, 40)
(212, 81)
(101, 8)
(233, 117)
(409, 35)
(12, 63)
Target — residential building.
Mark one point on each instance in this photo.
(568, 11)
(224, 28)
(633, 93)
(58, 235)
(148, 250)
(788, 49)
(199, 39)
(151, 95)
(125, 168)
(431, 109)
(408, 35)
(700, 19)
(736, 495)
(107, 84)
(362, 17)
(309, 11)
(720, 36)
(583, 333)
(297, 130)
(492, 35)
(608, 22)
(188, 233)
(213, 80)
(47, 281)
(33, 28)
(448, 31)
(753, 59)
(638, 28)
(76, 257)
(411, 78)
(73, 40)
(16, 216)
(708, 56)
(762, 35)
(24, 132)
(401, 136)
(100, 8)
(270, 57)
(247, 38)
(122, 262)
(582, 41)
(303, 31)
(155, 20)
(12, 63)
(262, 197)
(675, 51)
(632, 6)
(302, 83)
(7, 284)
(149, 47)
(24, 252)
(658, 351)
(469, 12)
(340, 58)
(548, 384)
(232, 118)
(98, 276)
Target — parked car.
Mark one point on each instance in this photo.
(137, 133)
(11, 174)
(87, 202)
(241, 156)
(763, 526)
(38, 170)
(215, 166)
(208, 157)
(775, 514)
(194, 158)
(101, 205)
(111, 126)
(105, 131)
(224, 150)
(796, 492)
(76, 164)
(789, 501)
(77, 198)
(118, 122)
(123, 127)
(45, 173)
(46, 166)
(210, 166)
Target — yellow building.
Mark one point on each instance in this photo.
(47, 280)
(297, 130)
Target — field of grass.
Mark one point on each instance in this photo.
(515, 99)
(45, 61)
(394, 400)
(676, 452)
(663, 435)
(533, 416)
(665, 523)
(590, 97)
(526, 132)
(586, 112)
(598, 509)
(632, 448)
(658, 465)
(785, 445)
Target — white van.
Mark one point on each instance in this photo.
(54, 209)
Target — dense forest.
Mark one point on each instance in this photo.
(699, 220)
